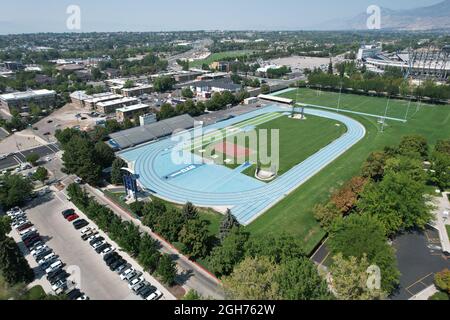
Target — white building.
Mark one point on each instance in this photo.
(368, 51)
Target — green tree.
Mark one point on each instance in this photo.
(253, 279)
(163, 84)
(350, 279)
(117, 172)
(228, 222)
(277, 247)
(265, 89)
(414, 145)
(5, 227)
(13, 266)
(14, 191)
(187, 93)
(104, 155)
(167, 269)
(298, 279)
(194, 236)
(374, 166)
(386, 201)
(169, 224)
(41, 174)
(148, 253)
(364, 236)
(442, 280)
(441, 170)
(190, 211)
(192, 295)
(326, 214)
(128, 84)
(32, 158)
(230, 252)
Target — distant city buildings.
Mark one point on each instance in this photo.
(129, 112)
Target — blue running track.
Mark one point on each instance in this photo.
(212, 185)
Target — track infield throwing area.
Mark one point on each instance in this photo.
(209, 185)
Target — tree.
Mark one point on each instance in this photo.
(414, 145)
(41, 174)
(163, 84)
(167, 269)
(5, 227)
(386, 201)
(373, 168)
(187, 93)
(190, 211)
(330, 67)
(364, 236)
(326, 214)
(441, 170)
(298, 279)
(350, 279)
(192, 295)
(166, 111)
(128, 84)
(253, 279)
(169, 224)
(277, 247)
(410, 166)
(13, 266)
(346, 197)
(194, 236)
(14, 190)
(265, 89)
(104, 155)
(32, 158)
(442, 280)
(229, 222)
(148, 253)
(443, 146)
(231, 251)
(117, 172)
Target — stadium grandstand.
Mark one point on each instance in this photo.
(135, 136)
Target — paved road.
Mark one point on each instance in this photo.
(194, 276)
(20, 157)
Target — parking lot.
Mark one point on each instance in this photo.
(95, 278)
(419, 258)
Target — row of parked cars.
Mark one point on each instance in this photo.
(44, 256)
(116, 263)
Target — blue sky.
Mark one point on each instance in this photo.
(23, 16)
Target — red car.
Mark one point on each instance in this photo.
(25, 226)
(72, 217)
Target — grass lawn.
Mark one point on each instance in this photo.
(35, 293)
(219, 56)
(359, 103)
(448, 230)
(294, 215)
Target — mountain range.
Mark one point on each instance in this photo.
(434, 17)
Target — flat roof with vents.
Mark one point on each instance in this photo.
(150, 132)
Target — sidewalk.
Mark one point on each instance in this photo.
(425, 294)
(442, 204)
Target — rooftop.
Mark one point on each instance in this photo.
(116, 101)
(26, 94)
(133, 107)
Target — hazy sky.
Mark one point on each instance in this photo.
(23, 16)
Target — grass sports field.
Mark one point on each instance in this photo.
(294, 215)
(298, 140)
(400, 109)
(219, 56)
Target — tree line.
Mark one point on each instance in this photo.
(386, 199)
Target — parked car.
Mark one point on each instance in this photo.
(31, 241)
(85, 230)
(146, 291)
(155, 295)
(74, 294)
(80, 224)
(72, 217)
(43, 254)
(54, 266)
(59, 285)
(86, 236)
(108, 250)
(23, 234)
(67, 213)
(138, 287)
(38, 250)
(127, 272)
(134, 281)
(48, 257)
(102, 247)
(117, 264)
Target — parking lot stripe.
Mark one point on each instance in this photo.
(417, 282)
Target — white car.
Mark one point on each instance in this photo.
(54, 266)
(155, 295)
(99, 244)
(61, 284)
(126, 273)
(26, 232)
(85, 230)
(39, 250)
(83, 298)
(46, 258)
(17, 224)
(108, 250)
(135, 281)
